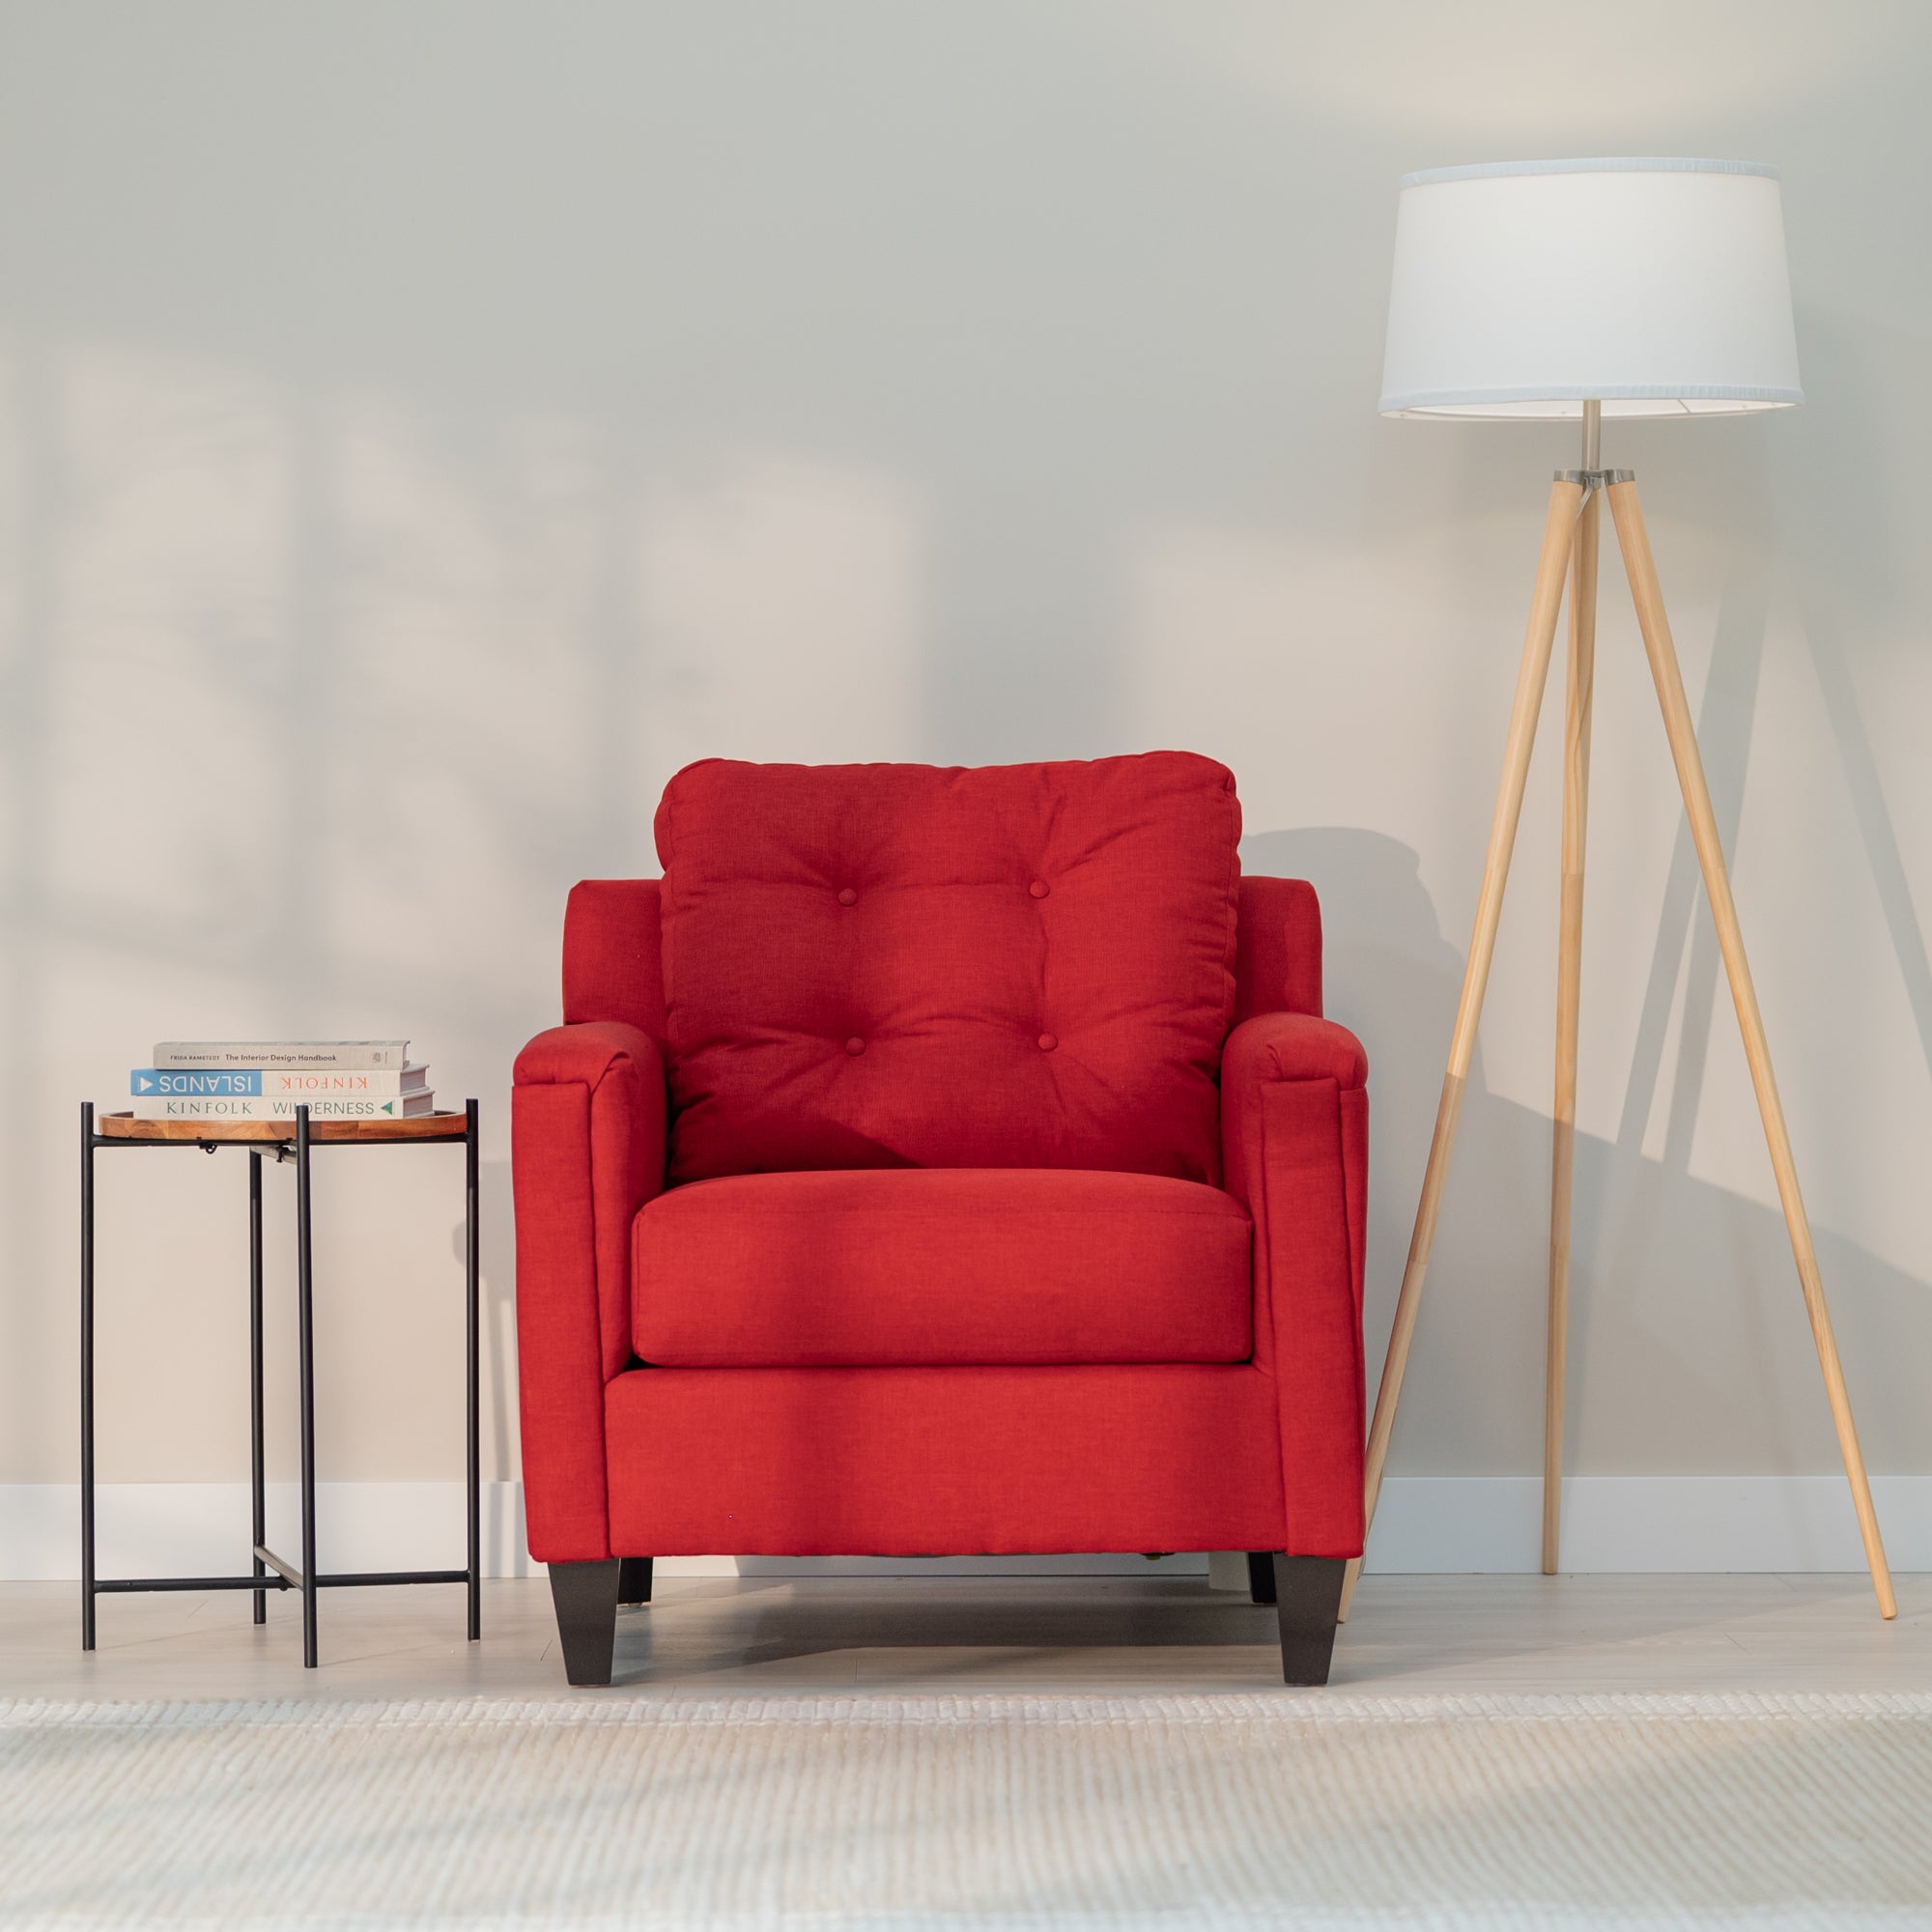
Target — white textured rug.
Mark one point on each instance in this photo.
(1311, 1809)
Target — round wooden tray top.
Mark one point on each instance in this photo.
(440, 1126)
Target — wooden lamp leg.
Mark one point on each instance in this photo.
(1546, 603)
(1635, 542)
(1569, 982)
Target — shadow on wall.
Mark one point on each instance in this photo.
(1859, 572)
(1684, 1293)
(1727, 1371)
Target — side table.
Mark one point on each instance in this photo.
(283, 1141)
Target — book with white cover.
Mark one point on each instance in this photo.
(209, 1083)
(246, 1053)
(245, 1107)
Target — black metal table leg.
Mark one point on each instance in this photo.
(87, 1376)
(472, 1467)
(305, 1341)
(257, 1460)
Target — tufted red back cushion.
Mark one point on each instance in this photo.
(902, 966)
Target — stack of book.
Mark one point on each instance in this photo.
(268, 1080)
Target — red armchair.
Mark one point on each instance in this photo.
(942, 1161)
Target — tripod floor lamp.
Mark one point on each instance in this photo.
(1585, 290)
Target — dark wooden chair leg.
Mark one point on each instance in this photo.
(633, 1580)
(1260, 1575)
(586, 1596)
(1308, 1598)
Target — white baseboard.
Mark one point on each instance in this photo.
(1425, 1525)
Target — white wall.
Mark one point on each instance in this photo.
(424, 427)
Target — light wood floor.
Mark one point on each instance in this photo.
(1048, 1636)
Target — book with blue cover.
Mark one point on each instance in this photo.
(188, 1083)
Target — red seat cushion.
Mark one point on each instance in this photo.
(921, 1267)
(895, 965)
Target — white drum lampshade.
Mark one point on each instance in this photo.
(1524, 289)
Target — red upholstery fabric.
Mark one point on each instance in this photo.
(1278, 949)
(904, 1266)
(892, 965)
(907, 972)
(1294, 1123)
(614, 954)
(587, 1151)
(613, 959)
(926, 1462)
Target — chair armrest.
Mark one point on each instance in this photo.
(1295, 1140)
(587, 1125)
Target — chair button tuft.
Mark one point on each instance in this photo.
(1047, 1042)
(855, 1045)
(847, 896)
(1039, 888)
